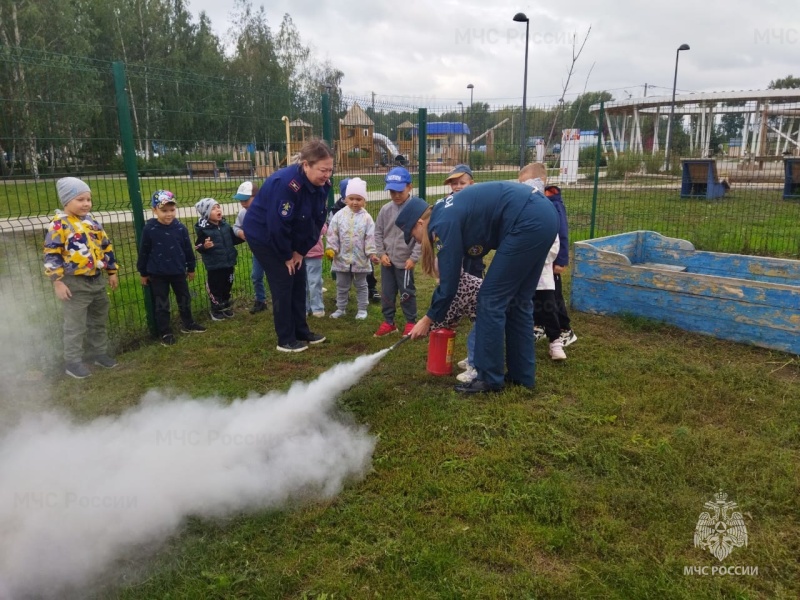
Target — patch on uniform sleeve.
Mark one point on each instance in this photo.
(437, 243)
(475, 250)
(294, 185)
(287, 208)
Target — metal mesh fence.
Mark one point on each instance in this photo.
(201, 137)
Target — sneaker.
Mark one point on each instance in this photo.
(337, 313)
(193, 328)
(315, 338)
(538, 333)
(557, 350)
(386, 329)
(463, 364)
(168, 340)
(324, 290)
(361, 315)
(296, 346)
(318, 313)
(105, 361)
(217, 315)
(467, 375)
(568, 337)
(228, 313)
(374, 296)
(78, 370)
(407, 329)
(258, 306)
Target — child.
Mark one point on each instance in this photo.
(372, 283)
(459, 178)
(314, 305)
(544, 304)
(76, 251)
(560, 264)
(166, 259)
(397, 257)
(245, 194)
(215, 243)
(351, 245)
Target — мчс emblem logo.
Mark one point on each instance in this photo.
(721, 530)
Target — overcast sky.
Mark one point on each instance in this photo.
(432, 49)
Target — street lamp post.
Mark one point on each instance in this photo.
(521, 18)
(471, 89)
(672, 108)
(461, 104)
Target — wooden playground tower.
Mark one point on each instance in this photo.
(356, 138)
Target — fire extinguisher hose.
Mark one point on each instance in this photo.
(405, 338)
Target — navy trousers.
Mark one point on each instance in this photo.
(288, 296)
(504, 324)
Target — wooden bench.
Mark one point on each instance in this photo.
(238, 168)
(791, 184)
(700, 179)
(202, 168)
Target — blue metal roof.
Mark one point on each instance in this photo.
(447, 129)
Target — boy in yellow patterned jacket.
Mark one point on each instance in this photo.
(76, 251)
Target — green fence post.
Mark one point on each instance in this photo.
(327, 130)
(597, 156)
(132, 173)
(423, 153)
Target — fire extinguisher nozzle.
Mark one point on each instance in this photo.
(405, 338)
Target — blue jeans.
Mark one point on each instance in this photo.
(314, 285)
(471, 346)
(257, 275)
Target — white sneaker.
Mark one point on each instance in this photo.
(463, 364)
(467, 375)
(337, 313)
(361, 315)
(557, 350)
(318, 313)
(568, 337)
(538, 333)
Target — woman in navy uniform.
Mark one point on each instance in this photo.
(282, 224)
(520, 224)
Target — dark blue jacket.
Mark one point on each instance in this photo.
(288, 213)
(473, 225)
(222, 255)
(554, 194)
(165, 250)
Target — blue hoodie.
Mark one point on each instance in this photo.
(554, 194)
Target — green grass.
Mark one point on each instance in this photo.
(588, 487)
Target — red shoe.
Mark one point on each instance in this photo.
(385, 329)
(408, 328)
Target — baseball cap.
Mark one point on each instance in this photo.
(409, 215)
(458, 171)
(397, 179)
(244, 192)
(162, 198)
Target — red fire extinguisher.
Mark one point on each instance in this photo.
(440, 351)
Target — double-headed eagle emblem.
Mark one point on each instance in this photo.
(720, 531)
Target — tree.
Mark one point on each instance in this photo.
(788, 82)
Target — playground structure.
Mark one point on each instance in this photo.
(489, 135)
(360, 147)
(770, 133)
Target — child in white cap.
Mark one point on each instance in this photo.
(76, 252)
(351, 246)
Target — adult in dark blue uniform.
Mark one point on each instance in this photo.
(282, 224)
(520, 224)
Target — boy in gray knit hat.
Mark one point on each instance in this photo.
(76, 252)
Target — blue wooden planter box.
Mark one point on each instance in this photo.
(749, 299)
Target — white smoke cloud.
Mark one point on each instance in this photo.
(76, 497)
